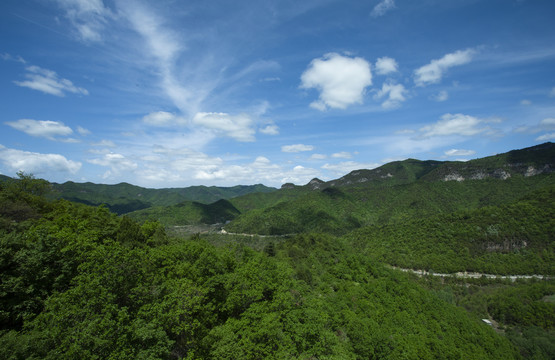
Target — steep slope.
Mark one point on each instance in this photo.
(514, 238)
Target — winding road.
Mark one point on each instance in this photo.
(473, 275)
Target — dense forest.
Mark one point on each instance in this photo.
(80, 282)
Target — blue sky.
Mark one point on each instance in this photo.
(179, 93)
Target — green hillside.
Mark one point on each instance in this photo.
(124, 198)
(339, 210)
(188, 213)
(78, 282)
(396, 192)
(515, 238)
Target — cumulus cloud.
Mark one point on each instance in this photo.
(455, 124)
(296, 148)
(546, 137)
(443, 95)
(41, 128)
(36, 163)
(238, 127)
(382, 7)
(117, 163)
(341, 80)
(49, 82)
(299, 175)
(459, 152)
(163, 118)
(269, 130)
(394, 94)
(81, 130)
(434, 71)
(88, 17)
(386, 65)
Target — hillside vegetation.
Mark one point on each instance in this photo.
(81, 282)
(124, 198)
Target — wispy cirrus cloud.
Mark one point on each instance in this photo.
(459, 152)
(434, 71)
(341, 80)
(382, 7)
(48, 82)
(87, 17)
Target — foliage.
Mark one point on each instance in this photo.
(79, 282)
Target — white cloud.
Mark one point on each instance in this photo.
(9, 57)
(118, 163)
(434, 71)
(163, 118)
(296, 148)
(37, 163)
(49, 82)
(547, 124)
(269, 130)
(455, 124)
(342, 155)
(341, 80)
(318, 157)
(105, 143)
(386, 65)
(83, 131)
(552, 92)
(525, 102)
(238, 127)
(395, 95)
(346, 167)
(546, 137)
(443, 95)
(459, 152)
(299, 175)
(88, 17)
(41, 128)
(382, 7)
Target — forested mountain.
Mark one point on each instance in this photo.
(77, 281)
(188, 213)
(123, 198)
(398, 191)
